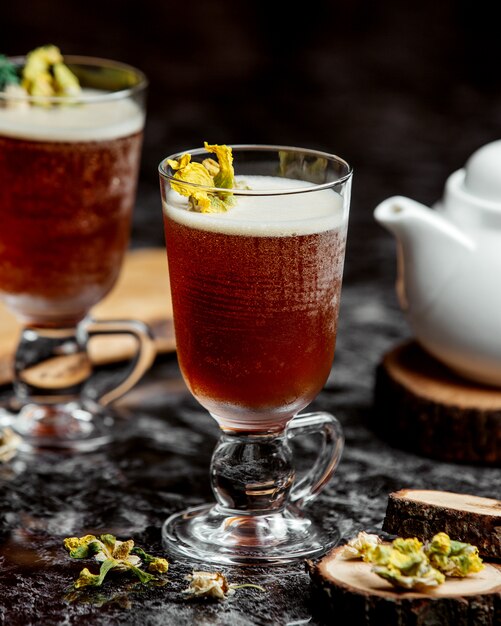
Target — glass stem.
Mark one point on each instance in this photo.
(252, 473)
(51, 365)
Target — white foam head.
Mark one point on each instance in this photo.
(302, 213)
(87, 121)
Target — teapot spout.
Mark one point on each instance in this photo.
(411, 221)
(431, 249)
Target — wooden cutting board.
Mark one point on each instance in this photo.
(142, 293)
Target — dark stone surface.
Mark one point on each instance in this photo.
(405, 92)
(161, 466)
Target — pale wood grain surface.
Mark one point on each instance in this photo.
(142, 293)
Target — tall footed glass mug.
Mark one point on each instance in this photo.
(256, 275)
(69, 167)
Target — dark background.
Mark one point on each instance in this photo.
(405, 91)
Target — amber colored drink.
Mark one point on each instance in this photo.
(256, 310)
(65, 210)
(68, 188)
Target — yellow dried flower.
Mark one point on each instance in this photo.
(66, 83)
(421, 580)
(85, 579)
(45, 75)
(225, 177)
(122, 549)
(113, 554)
(79, 547)
(407, 564)
(211, 166)
(208, 174)
(453, 558)
(158, 565)
(404, 564)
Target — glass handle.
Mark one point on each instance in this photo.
(311, 484)
(139, 364)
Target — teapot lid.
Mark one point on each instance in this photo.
(483, 172)
(473, 194)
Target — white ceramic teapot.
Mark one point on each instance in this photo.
(449, 267)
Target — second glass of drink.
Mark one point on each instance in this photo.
(69, 167)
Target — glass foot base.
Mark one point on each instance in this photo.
(214, 535)
(67, 426)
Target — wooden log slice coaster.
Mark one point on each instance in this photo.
(422, 513)
(423, 407)
(353, 594)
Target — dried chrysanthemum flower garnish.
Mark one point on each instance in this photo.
(212, 585)
(45, 74)
(209, 174)
(404, 564)
(9, 443)
(407, 564)
(113, 554)
(360, 545)
(453, 558)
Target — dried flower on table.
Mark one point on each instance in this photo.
(212, 585)
(208, 584)
(113, 554)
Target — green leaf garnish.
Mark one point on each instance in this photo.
(8, 72)
(113, 555)
(143, 576)
(87, 579)
(155, 564)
